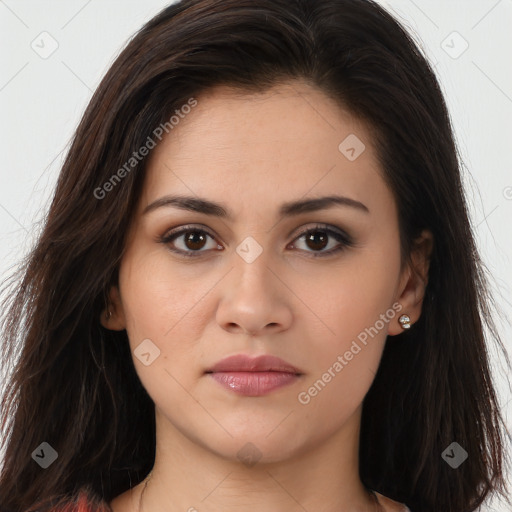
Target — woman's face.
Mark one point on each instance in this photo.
(255, 284)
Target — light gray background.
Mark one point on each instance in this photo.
(42, 100)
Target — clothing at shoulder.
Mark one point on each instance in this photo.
(390, 505)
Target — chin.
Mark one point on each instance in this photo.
(255, 448)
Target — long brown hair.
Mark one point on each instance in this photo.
(74, 385)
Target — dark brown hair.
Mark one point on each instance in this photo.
(75, 386)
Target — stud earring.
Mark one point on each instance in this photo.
(405, 321)
(108, 314)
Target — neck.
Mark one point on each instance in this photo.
(188, 476)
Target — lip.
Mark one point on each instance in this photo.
(253, 376)
(243, 363)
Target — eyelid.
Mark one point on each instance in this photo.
(180, 230)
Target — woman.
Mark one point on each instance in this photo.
(257, 286)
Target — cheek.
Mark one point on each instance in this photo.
(161, 306)
(157, 296)
(348, 298)
(355, 309)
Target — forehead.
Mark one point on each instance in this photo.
(287, 142)
(227, 119)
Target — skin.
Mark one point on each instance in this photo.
(253, 152)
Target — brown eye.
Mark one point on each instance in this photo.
(317, 239)
(189, 241)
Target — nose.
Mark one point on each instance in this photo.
(254, 299)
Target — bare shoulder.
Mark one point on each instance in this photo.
(390, 505)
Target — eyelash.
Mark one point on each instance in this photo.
(345, 240)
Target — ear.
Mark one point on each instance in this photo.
(112, 317)
(413, 282)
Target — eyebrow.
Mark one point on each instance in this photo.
(289, 209)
